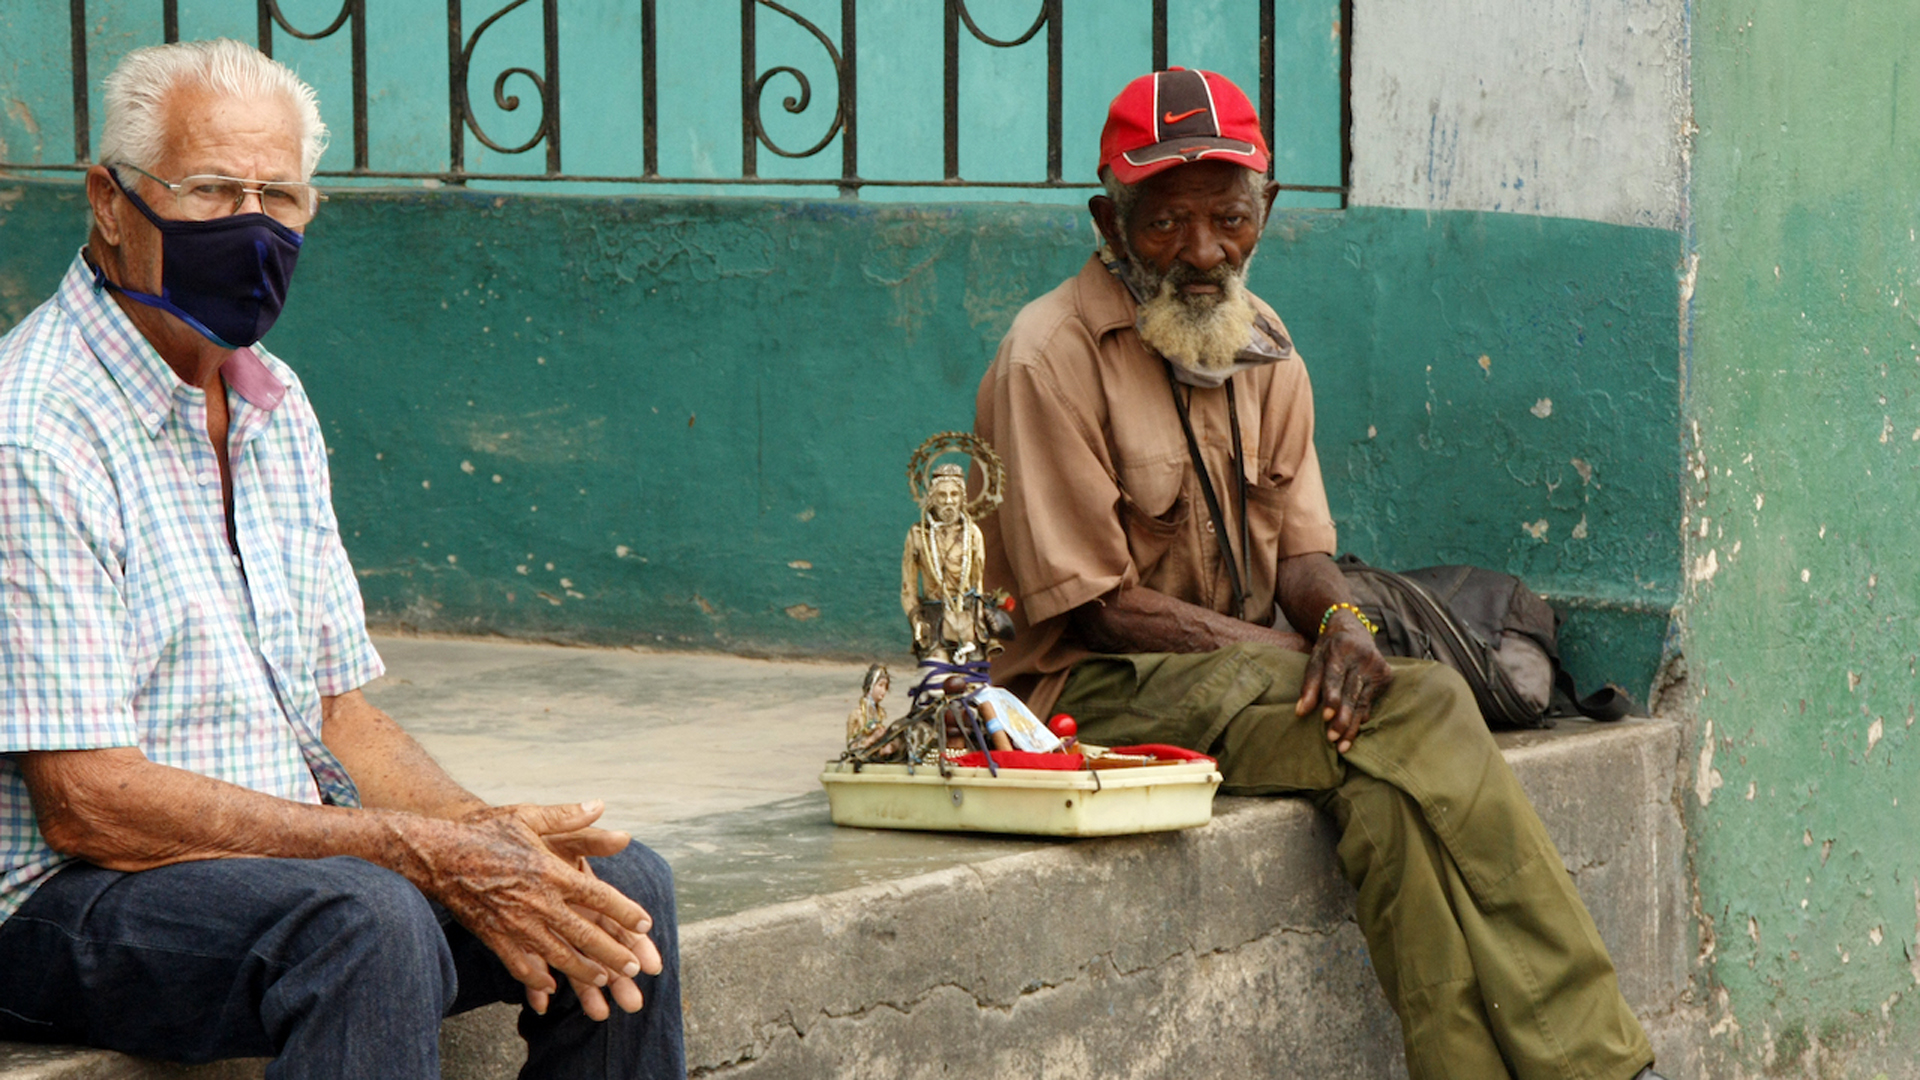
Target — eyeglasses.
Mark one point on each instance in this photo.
(201, 198)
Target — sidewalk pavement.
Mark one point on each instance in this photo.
(713, 761)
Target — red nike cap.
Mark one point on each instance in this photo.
(1175, 116)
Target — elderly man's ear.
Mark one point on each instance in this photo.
(1106, 218)
(103, 195)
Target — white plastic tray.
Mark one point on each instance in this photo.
(1039, 802)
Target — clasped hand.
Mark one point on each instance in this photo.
(1345, 675)
(518, 878)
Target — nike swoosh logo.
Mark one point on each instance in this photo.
(1169, 118)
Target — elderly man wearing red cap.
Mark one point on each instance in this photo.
(1164, 528)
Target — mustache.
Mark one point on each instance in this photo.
(1181, 274)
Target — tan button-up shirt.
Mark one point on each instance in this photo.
(1101, 492)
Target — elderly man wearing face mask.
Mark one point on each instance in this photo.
(211, 844)
(1167, 535)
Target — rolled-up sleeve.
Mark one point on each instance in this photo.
(1306, 520)
(1060, 524)
(65, 679)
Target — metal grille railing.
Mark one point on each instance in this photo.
(544, 87)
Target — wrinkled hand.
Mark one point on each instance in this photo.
(567, 828)
(621, 987)
(575, 844)
(1345, 675)
(496, 869)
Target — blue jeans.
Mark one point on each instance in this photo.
(332, 967)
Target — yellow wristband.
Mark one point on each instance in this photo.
(1357, 613)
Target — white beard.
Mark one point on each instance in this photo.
(1201, 333)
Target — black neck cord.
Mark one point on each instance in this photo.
(1237, 571)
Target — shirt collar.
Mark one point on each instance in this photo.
(253, 380)
(142, 374)
(1104, 302)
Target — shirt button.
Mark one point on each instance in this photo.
(152, 419)
(1209, 526)
(204, 479)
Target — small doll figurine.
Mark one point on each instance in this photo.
(869, 717)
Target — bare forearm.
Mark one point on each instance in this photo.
(392, 771)
(119, 810)
(1144, 620)
(1306, 586)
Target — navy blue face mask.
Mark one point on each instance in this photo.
(226, 278)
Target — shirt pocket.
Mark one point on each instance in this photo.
(1155, 512)
(1268, 501)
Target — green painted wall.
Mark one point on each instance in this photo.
(686, 421)
(1803, 400)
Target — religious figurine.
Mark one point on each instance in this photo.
(956, 627)
(943, 564)
(868, 720)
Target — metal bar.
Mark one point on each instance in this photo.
(749, 123)
(170, 21)
(1346, 101)
(1159, 35)
(1055, 38)
(1266, 78)
(550, 108)
(649, 93)
(849, 99)
(263, 14)
(82, 122)
(952, 75)
(359, 84)
(456, 93)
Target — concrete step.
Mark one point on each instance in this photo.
(813, 951)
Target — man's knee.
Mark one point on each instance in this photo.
(1432, 694)
(642, 876)
(370, 923)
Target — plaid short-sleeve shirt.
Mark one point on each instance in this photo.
(126, 618)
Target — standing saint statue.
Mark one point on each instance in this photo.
(941, 572)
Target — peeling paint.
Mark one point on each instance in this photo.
(1706, 778)
(1706, 566)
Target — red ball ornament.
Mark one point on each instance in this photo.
(1063, 725)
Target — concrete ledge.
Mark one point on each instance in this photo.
(1227, 950)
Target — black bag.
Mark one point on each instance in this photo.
(1492, 629)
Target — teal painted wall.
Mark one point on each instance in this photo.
(686, 421)
(1803, 402)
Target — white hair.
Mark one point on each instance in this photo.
(136, 94)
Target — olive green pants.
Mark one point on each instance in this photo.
(1481, 943)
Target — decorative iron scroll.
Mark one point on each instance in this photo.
(543, 84)
(753, 132)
